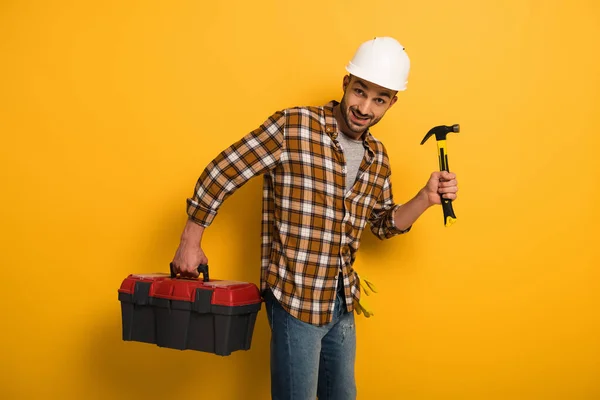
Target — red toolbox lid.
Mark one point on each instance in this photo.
(224, 293)
(128, 284)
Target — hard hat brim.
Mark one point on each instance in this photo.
(377, 80)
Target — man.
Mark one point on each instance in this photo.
(325, 178)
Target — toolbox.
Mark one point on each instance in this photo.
(215, 316)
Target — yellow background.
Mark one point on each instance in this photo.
(109, 111)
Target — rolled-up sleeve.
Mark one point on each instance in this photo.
(381, 220)
(254, 154)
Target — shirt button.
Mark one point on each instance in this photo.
(344, 170)
(328, 129)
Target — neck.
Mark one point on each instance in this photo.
(343, 127)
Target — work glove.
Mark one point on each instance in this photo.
(361, 306)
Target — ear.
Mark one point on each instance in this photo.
(346, 82)
(393, 101)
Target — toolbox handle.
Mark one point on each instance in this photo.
(202, 269)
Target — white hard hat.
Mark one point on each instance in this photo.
(383, 62)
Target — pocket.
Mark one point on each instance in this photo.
(338, 308)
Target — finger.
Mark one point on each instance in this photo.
(190, 272)
(435, 176)
(448, 175)
(452, 189)
(448, 183)
(451, 196)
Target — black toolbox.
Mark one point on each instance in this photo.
(215, 316)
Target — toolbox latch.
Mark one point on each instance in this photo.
(140, 293)
(203, 300)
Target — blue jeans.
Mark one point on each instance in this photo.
(310, 361)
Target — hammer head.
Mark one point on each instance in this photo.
(441, 131)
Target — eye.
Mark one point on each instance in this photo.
(380, 101)
(358, 91)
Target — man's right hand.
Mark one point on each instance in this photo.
(186, 261)
(189, 254)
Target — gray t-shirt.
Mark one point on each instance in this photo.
(354, 152)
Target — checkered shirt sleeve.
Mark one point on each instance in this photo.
(252, 155)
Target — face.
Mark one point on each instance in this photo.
(364, 104)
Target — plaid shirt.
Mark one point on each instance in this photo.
(311, 228)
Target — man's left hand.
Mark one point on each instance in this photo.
(441, 183)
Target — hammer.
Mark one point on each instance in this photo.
(440, 133)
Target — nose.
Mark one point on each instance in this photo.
(363, 107)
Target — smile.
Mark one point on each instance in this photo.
(359, 119)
